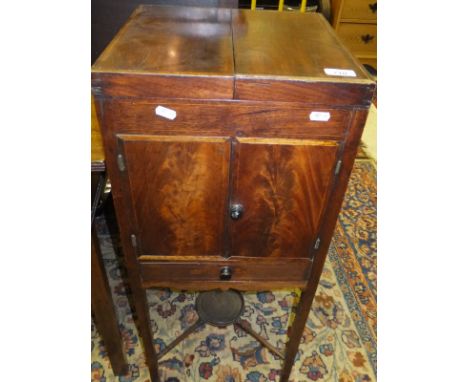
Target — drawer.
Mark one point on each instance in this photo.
(359, 38)
(238, 273)
(359, 10)
(226, 119)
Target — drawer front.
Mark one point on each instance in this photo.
(244, 274)
(359, 38)
(231, 119)
(359, 10)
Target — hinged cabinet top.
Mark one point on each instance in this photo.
(169, 40)
(289, 45)
(216, 53)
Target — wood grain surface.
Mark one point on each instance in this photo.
(257, 119)
(172, 40)
(321, 93)
(358, 10)
(283, 186)
(281, 56)
(179, 188)
(146, 85)
(108, 16)
(209, 53)
(245, 272)
(170, 52)
(288, 45)
(361, 39)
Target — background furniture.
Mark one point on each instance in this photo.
(355, 21)
(103, 308)
(228, 176)
(105, 317)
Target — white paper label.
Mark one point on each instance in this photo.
(166, 112)
(319, 116)
(340, 72)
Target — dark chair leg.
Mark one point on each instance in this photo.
(103, 309)
(137, 299)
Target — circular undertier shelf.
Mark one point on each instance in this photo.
(220, 308)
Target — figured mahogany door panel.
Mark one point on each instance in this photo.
(179, 191)
(282, 187)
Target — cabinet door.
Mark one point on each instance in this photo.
(178, 187)
(282, 186)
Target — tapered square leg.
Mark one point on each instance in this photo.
(297, 328)
(144, 328)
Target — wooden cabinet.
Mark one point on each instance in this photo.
(229, 146)
(355, 22)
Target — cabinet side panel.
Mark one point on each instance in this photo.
(178, 187)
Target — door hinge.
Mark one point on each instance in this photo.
(338, 167)
(121, 162)
(317, 244)
(134, 241)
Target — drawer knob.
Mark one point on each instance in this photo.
(225, 273)
(373, 7)
(367, 38)
(236, 211)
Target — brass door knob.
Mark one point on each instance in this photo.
(225, 273)
(236, 211)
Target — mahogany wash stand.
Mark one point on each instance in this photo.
(229, 137)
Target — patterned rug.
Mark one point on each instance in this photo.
(339, 343)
